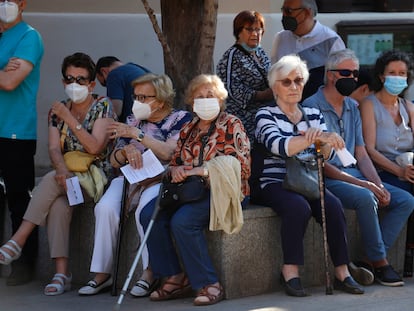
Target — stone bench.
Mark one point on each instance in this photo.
(248, 263)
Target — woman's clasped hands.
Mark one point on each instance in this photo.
(180, 173)
(334, 140)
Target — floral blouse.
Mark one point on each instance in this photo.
(101, 108)
(244, 75)
(227, 138)
(167, 128)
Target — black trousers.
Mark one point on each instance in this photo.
(17, 170)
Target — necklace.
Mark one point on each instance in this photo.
(80, 115)
(293, 116)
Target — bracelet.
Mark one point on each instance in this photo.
(116, 159)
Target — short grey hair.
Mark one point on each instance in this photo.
(338, 57)
(310, 4)
(164, 90)
(284, 66)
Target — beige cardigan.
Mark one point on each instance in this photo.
(226, 196)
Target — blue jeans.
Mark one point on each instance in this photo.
(377, 235)
(187, 227)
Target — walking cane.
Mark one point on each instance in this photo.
(140, 250)
(319, 157)
(114, 290)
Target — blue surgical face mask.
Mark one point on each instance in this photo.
(395, 84)
(248, 48)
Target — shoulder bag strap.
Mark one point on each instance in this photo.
(264, 74)
(204, 141)
(304, 115)
(63, 135)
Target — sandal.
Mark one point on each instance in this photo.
(15, 250)
(143, 288)
(182, 289)
(62, 285)
(205, 297)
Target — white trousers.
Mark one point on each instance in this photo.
(107, 218)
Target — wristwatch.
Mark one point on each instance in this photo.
(78, 126)
(140, 135)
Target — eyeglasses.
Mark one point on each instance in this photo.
(287, 82)
(346, 72)
(142, 97)
(250, 30)
(79, 79)
(289, 11)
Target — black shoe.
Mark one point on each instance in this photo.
(361, 272)
(348, 285)
(386, 275)
(21, 274)
(293, 287)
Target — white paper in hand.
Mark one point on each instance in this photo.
(346, 157)
(151, 168)
(74, 191)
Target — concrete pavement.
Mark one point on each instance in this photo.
(377, 297)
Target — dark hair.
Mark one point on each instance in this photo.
(80, 60)
(365, 77)
(246, 18)
(383, 60)
(105, 61)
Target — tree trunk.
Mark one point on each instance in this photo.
(189, 27)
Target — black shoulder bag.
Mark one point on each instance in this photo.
(302, 173)
(192, 189)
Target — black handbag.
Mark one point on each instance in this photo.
(302, 173)
(302, 177)
(173, 195)
(192, 189)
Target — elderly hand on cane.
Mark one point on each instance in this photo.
(324, 141)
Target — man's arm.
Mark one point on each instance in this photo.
(367, 169)
(366, 166)
(333, 172)
(9, 80)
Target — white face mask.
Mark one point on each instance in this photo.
(141, 111)
(206, 108)
(8, 12)
(76, 92)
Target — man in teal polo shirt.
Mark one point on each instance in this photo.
(21, 49)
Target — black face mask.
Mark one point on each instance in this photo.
(289, 23)
(345, 86)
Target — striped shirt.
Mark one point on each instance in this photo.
(274, 131)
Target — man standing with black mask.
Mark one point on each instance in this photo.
(305, 36)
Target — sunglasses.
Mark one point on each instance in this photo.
(346, 72)
(287, 82)
(79, 79)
